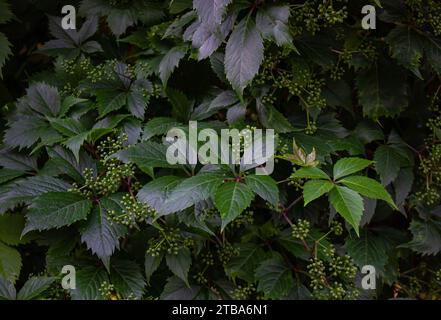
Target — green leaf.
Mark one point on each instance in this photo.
(34, 287)
(88, 283)
(273, 24)
(75, 143)
(378, 91)
(68, 127)
(156, 192)
(10, 263)
(182, 106)
(158, 126)
(101, 235)
(5, 51)
(7, 289)
(147, 153)
(127, 278)
(25, 132)
(310, 173)
(151, 264)
(9, 174)
(348, 203)
(426, 238)
(244, 265)
(180, 263)
(369, 249)
(24, 190)
(265, 187)
(369, 188)
(5, 12)
(11, 227)
(68, 103)
(211, 12)
(191, 191)
(271, 118)
(314, 189)
(347, 166)
(44, 99)
(55, 210)
(176, 289)
(231, 199)
(387, 163)
(110, 100)
(170, 62)
(275, 278)
(243, 54)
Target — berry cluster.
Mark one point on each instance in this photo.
(311, 18)
(168, 241)
(426, 14)
(133, 212)
(109, 181)
(108, 292)
(333, 278)
(301, 229)
(243, 292)
(226, 252)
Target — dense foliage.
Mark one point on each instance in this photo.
(84, 179)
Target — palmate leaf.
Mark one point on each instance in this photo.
(55, 210)
(176, 289)
(265, 187)
(211, 12)
(426, 237)
(244, 265)
(26, 131)
(191, 191)
(310, 173)
(11, 227)
(10, 263)
(24, 190)
(231, 199)
(243, 54)
(170, 62)
(101, 235)
(88, 283)
(156, 192)
(34, 287)
(388, 161)
(378, 91)
(5, 51)
(347, 166)
(151, 264)
(369, 188)
(180, 263)
(348, 203)
(7, 289)
(314, 189)
(127, 277)
(273, 24)
(274, 278)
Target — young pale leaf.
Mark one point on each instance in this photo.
(34, 287)
(55, 210)
(275, 278)
(314, 189)
(243, 54)
(180, 263)
(10, 263)
(311, 173)
(349, 204)
(369, 188)
(265, 187)
(231, 199)
(347, 166)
